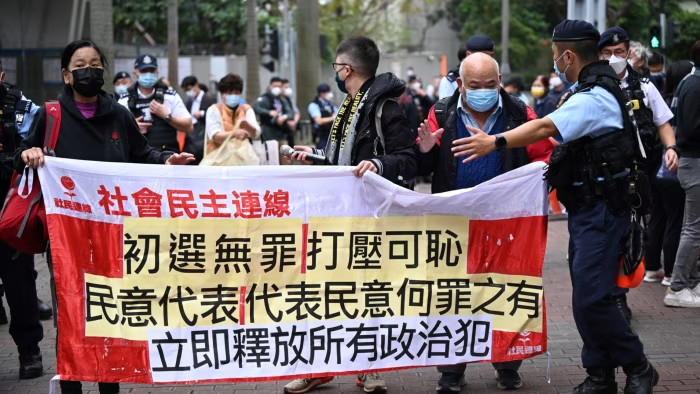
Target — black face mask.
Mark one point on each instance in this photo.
(88, 81)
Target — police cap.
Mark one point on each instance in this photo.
(575, 30)
(323, 88)
(612, 36)
(145, 61)
(120, 75)
(480, 42)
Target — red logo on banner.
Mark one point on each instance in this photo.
(67, 183)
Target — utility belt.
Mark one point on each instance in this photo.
(590, 169)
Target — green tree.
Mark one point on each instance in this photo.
(206, 26)
(382, 20)
(689, 33)
(529, 26)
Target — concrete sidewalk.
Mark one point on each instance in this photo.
(670, 336)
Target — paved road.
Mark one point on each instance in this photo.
(671, 336)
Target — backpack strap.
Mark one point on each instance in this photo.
(378, 123)
(53, 124)
(440, 109)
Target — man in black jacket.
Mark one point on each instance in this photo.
(354, 140)
(274, 112)
(479, 101)
(196, 103)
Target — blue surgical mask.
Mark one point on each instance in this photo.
(121, 89)
(481, 100)
(561, 74)
(148, 80)
(232, 100)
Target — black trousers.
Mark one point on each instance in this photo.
(18, 277)
(665, 223)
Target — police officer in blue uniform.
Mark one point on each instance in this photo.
(592, 171)
(17, 269)
(159, 110)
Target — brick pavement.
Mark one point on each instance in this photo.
(669, 336)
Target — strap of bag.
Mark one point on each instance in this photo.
(27, 215)
(440, 109)
(53, 124)
(378, 123)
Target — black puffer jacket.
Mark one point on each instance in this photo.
(399, 162)
(110, 135)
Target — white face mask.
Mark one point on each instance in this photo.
(617, 63)
(288, 92)
(276, 91)
(415, 85)
(630, 62)
(191, 93)
(329, 96)
(554, 82)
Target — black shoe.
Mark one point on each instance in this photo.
(508, 379)
(45, 310)
(641, 379)
(30, 365)
(3, 315)
(450, 383)
(621, 303)
(598, 381)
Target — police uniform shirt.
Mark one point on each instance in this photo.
(315, 111)
(446, 88)
(23, 128)
(591, 113)
(653, 100)
(172, 101)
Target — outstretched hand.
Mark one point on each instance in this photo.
(427, 139)
(180, 158)
(478, 145)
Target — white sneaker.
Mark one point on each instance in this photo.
(683, 299)
(696, 291)
(667, 281)
(654, 276)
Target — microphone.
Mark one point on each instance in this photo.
(287, 150)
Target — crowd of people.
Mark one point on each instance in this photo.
(463, 129)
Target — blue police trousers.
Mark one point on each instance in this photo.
(595, 239)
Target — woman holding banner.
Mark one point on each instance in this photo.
(92, 127)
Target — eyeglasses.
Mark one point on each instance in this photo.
(619, 52)
(335, 66)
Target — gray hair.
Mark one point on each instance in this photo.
(640, 51)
